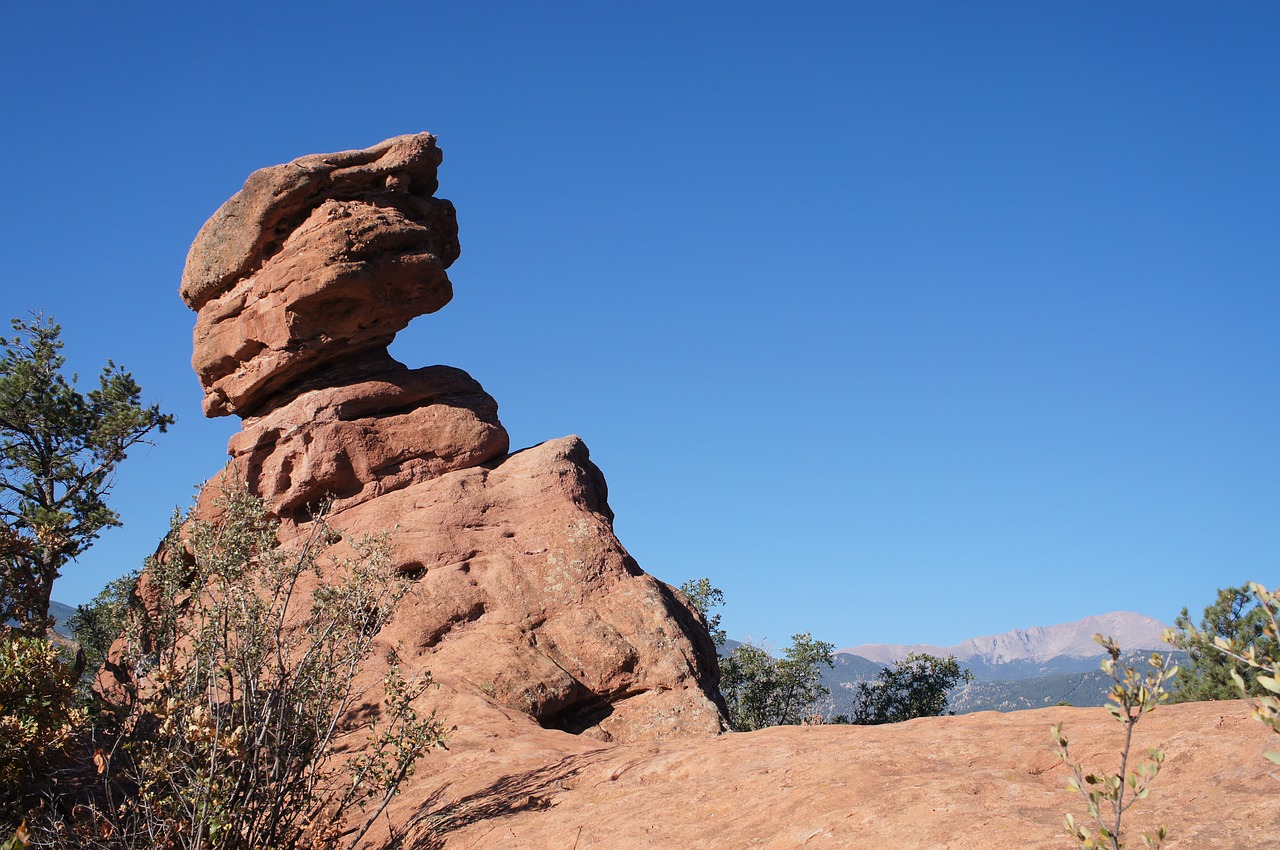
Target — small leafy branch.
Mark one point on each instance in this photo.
(1263, 664)
(703, 597)
(1109, 796)
(19, 840)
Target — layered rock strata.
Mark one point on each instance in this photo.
(525, 607)
(316, 262)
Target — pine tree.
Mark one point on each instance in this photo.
(58, 451)
(1236, 618)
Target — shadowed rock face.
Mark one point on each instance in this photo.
(526, 607)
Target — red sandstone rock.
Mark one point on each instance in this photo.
(526, 604)
(971, 782)
(525, 599)
(343, 283)
(313, 264)
(249, 228)
(369, 437)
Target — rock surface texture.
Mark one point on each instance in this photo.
(583, 689)
(971, 782)
(525, 606)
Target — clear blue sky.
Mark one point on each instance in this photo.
(898, 321)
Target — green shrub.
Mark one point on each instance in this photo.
(1238, 619)
(762, 691)
(703, 598)
(915, 686)
(98, 624)
(1256, 663)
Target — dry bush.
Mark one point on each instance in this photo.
(238, 708)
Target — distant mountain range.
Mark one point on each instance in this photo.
(1083, 688)
(1036, 645)
(61, 614)
(1024, 668)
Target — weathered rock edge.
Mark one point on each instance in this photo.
(315, 264)
(247, 229)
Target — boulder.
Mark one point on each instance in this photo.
(250, 227)
(312, 265)
(525, 600)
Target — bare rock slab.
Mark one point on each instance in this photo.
(971, 782)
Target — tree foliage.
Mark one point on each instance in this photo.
(1237, 619)
(96, 625)
(915, 686)
(1132, 696)
(38, 718)
(1256, 664)
(703, 597)
(762, 691)
(58, 452)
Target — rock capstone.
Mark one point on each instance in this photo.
(314, 263)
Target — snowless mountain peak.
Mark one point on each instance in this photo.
(1036, 644)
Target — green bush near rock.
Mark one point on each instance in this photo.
(915, 686)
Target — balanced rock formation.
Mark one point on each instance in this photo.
(526, 608)
(583, 689)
